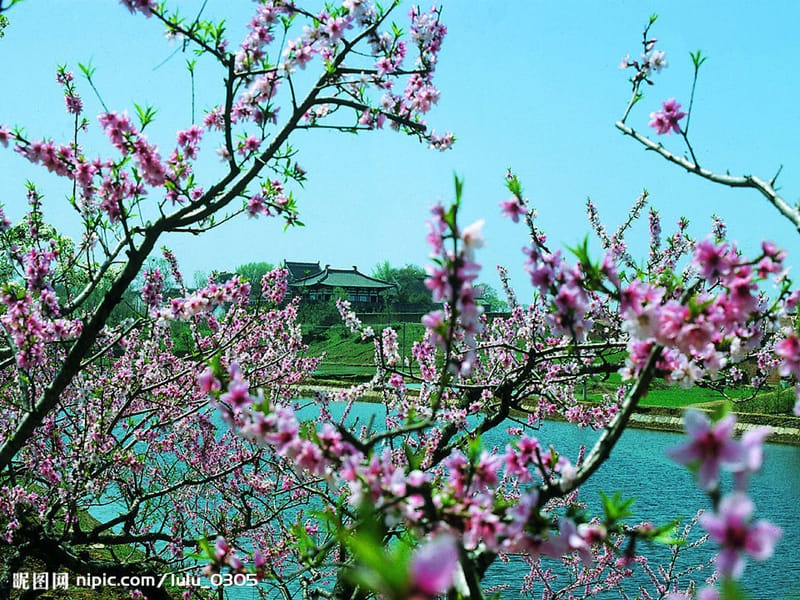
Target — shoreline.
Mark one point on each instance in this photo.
(786, 428)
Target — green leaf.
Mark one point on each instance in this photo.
(146, 114)
(731, 590)
(616, 507)
(721, 410)
(696, 308)
(698, 58)
(474, 449)
(664, 534)
(667, 535)
(206, 549)
(304, 543)
(459, 183)
(513, 184)
(414, 458)
(577, 513)
(87, 69)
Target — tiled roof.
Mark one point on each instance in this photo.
(300, 270)
(343, 278)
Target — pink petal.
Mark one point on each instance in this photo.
(730, 563)
(714, 525)
(696, 423)
(762, 539)
(736, 507)
(684, 453)
(434, 565)
(725, 426)
(708, 475)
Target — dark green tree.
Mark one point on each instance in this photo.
(253, 271)
(490, 298)
(410, 291)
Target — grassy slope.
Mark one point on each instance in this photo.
(348, 357)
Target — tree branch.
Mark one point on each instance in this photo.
(745, 181)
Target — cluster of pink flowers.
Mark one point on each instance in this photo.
(351, 320)
(428, 32)
(666, 120)
(11, 499)
(450, 279)
(555, 279)
(32, 316)
(72, 100)
(274, 285)
(205, 300)
(31, 328)
(253, 48)
(104, 179)
(651, 61)
(271, 200)
(55, 158)
(225, 555)
(464, 490)
(710, 448)
(693, 330)
(128, 140)
(788, 351)
(153, 288)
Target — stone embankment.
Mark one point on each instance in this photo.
(785, 428)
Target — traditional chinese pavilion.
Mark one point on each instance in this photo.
(317, 283)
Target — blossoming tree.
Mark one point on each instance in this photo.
(412, 504)
(102, 418)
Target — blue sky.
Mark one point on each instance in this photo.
(530, 85)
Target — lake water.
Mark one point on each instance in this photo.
(664, 491)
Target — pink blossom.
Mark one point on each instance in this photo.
(713, 259)
(710, 447)
(215, 119)
(207, 382)
(655, 60)
(512, 208)
(666, 119)
(433, 567)
(250, 144)
(221, 548)
(753, 454)
(788, 349)
(472, 236)
(438, 281)
(74, 104)
(145, 7)
(237, 396)
(708, 593)
(731, 528)
(441, 142)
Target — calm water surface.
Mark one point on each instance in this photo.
(664, 491)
